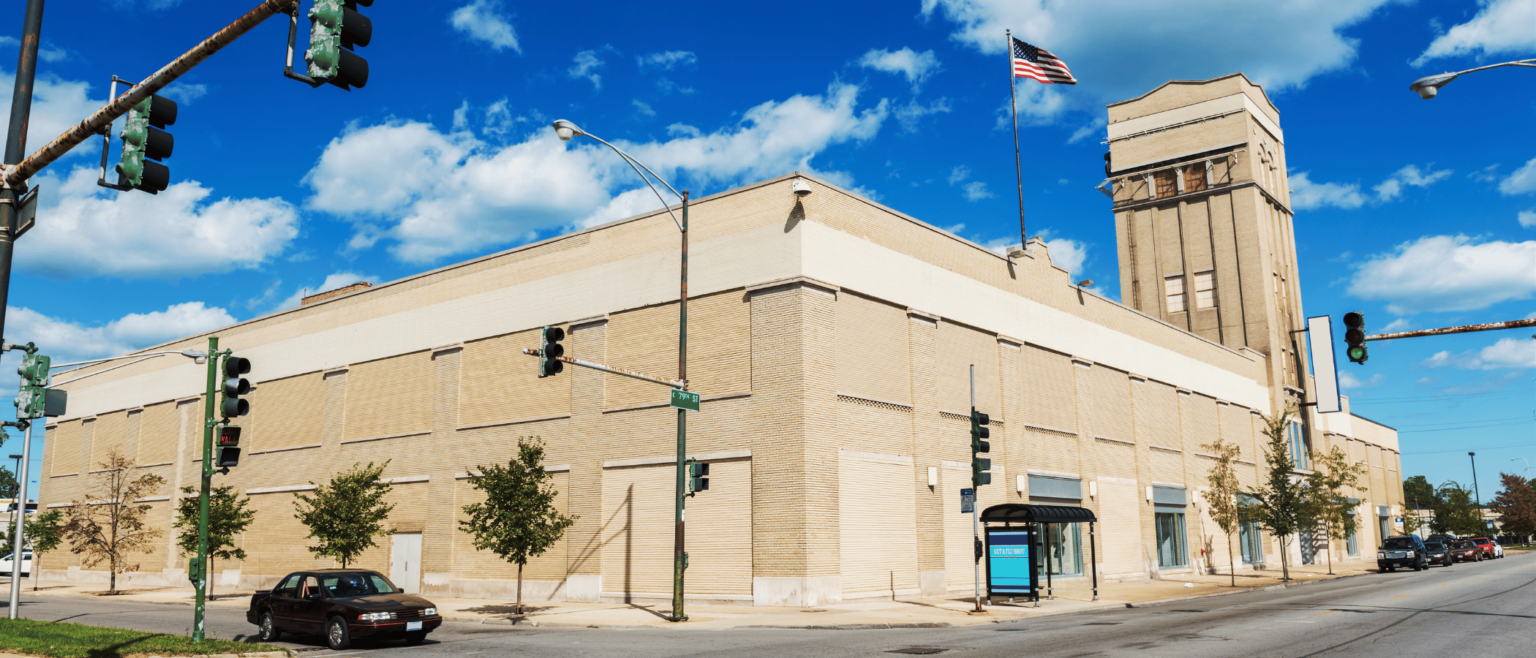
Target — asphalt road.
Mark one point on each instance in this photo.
(1483, 609)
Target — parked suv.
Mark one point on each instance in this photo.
(1404, 551)
(1438, 553)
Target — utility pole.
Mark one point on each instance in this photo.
(199, 571)
(976, 488)
(1479, 496)
(16, 144)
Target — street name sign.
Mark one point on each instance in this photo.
(682, 399)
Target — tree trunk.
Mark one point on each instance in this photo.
(1231, 562)
(519, 588)
(112, 582)
(1328, 536)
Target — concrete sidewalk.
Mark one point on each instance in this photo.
(1070, 595)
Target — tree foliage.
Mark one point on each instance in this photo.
(1516, 505)
(347, 513)
(108, 526)
(1418, 492)
(1333, 477)
(227, 517)
(43, 532)
(1456, 511)
(1280, 500)
(518, 519)
(1221, 496)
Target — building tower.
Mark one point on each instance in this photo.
(1203, 218)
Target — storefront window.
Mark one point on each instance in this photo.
(1352, 544)
(1170, 540)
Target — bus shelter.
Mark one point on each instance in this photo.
(1013, 565)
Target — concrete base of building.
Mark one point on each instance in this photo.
(798, 592)
(933, 583)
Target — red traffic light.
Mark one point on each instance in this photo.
(229, 436)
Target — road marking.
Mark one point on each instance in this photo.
(1399, 596)
(1445, 584)
(1326, 613)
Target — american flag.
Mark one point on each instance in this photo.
(1040, 65)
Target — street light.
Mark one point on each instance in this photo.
(1426, 87)
(1527, 466)
(565, 130)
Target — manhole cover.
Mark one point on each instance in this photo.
(920, 651)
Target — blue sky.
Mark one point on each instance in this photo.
(1419, 213)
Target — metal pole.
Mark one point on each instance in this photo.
(1018, 167)
(18, 536)
(102, 119)
(1463, 329)
(976, 493)
(680, 558)
(200, 579)
(16, 144)
(1479, 496)
(1048, 594)
(1093, 560)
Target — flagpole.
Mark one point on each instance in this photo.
(1018, 167)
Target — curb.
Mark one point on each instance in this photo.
(858, 627)
(1266, 588)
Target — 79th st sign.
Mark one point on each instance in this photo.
(685, 399)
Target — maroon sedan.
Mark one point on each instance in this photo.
(341, 604)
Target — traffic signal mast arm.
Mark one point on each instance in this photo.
(102, 119)
(671, 383)
(1491, 326)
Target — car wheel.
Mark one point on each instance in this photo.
(266, 629)
(415, 638)
(336, 635)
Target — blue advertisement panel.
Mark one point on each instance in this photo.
(1010, 570)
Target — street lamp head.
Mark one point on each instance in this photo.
(566, 130)
(1427, 87)
(199, 357)
(1085, 283)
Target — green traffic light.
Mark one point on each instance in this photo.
(1357, 354)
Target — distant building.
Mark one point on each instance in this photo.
(832, 339)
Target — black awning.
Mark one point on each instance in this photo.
(1014, 513)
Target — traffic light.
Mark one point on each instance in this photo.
(1107, 167)
(143, 138)
(550, 351)
(699, 474)
(235, 386)
(980, 446)
(336, 29)
(33, 399)
(1354, 336)
(229, 447)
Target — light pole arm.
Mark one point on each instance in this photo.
(1518, 62)
(191, 354)
(637, 166)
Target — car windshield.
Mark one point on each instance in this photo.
(1398, 543)
(1465, 544)
(345, 585)
(1433, 545)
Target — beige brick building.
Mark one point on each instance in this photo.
(831, 338)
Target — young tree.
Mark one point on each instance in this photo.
(1456, 511)
(344, 515)
(518, 519)
(1418, 492)
(1221, 497)
(44, 532)
(1331, 476)
(108, 526)
(1280, 501)
(227, 517)
(1516, 505)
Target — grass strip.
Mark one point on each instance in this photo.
(62, 640)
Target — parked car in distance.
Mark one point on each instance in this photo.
(1444, 539)
(26, 563)
(1464, 550)
(1438, 553)
(1402, 551)
(341, 604)
(1490, 548)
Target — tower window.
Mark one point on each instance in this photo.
(1205, 289)
(1194, 178)
(1167, 183)
(1173, 287)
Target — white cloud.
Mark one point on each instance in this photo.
(1400, 324)
(1348, 381)
(1501, 26)
(1528, 218)
(585, 65)
(52, 54)
(85, 230)
(958, 174)
(432, 195)
(331, 282)
(57, 105)
(1487, 174)
(666, 61)
(184, 93)
(1522, 181)
(912, 112)
(976, 191)
(1281, 45)
(1392, 188)
(1448, 273)
(483, 21)
(916, 66)
(1090, 129)
(1307, 195)
(1067, 253)
(1507, 353)
(643, 108)
(72, 341)
(1038, 105)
